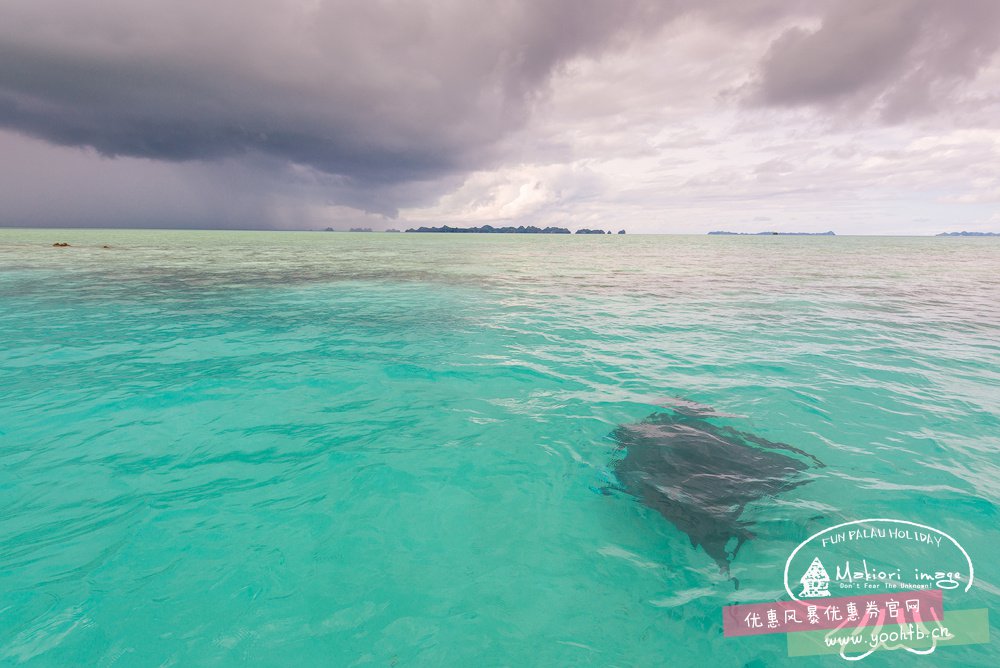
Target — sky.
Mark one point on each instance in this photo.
(656, 116)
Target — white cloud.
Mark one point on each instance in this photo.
(631, 140)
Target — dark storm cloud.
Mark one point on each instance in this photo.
(375, 93)
(901, 57)
(270, 112)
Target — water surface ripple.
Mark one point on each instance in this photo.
(374, 449)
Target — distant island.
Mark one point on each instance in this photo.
(780, 234)
(969, 234)
(489, 229)
(521, 229)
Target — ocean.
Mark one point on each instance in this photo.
(225, 448)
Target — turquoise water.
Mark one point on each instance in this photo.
(221, 448)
